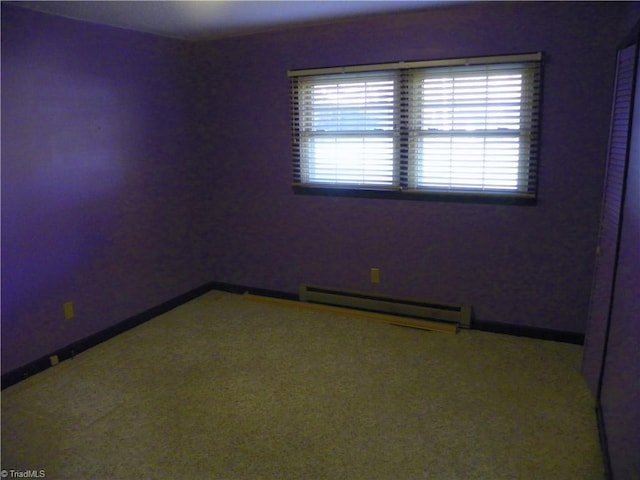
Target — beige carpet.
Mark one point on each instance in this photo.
(226, 388)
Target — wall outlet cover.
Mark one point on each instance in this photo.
(69, 312)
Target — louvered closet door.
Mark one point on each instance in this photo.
(607, 254)
(619, 400)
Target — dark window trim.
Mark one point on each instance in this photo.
(429, 196)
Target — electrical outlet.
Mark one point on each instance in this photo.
(375, 275)
(69, 312)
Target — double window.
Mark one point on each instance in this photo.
(462, 127)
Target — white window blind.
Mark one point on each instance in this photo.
(346, 129)
(457, 126)
(471, 128)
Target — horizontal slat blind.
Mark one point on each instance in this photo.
(346, 128)
(459, 127)
(474, 128)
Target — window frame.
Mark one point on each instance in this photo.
(404, 164)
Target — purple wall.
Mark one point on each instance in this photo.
(100, 193)
(514, 264)
(136, 168)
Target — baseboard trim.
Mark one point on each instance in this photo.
(263, 292)
(41, 364)
(71, 350)
(604, 445)
(530, 332)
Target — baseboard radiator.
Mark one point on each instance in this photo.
(458, 314)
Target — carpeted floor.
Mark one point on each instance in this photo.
(226, 388)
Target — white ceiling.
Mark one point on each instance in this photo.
(197, 20)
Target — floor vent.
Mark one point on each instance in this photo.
(458, 314)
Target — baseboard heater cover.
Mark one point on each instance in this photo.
(459, 314)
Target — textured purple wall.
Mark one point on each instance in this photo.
(514, 264)
(135, 168)
(100, 193)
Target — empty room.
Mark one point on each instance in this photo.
(320, 240)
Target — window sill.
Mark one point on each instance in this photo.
(419, 195)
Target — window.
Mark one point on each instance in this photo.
(452, 127)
